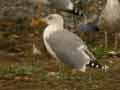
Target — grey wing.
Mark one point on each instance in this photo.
(67, 47)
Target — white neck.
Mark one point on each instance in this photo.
(55, 27)
(50, 29)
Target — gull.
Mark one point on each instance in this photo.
(63, 5)
(67, 46)
(110, 20)
(60, 5)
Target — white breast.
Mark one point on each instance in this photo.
(46, 35)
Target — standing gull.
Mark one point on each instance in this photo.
(66, 46)
(110, 19)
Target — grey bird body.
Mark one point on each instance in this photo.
(65, 45)
(110, 17)
(110, 21)
(69, 48)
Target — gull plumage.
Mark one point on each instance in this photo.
(65, 45)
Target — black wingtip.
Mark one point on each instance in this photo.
(94, 64)
(77, 11)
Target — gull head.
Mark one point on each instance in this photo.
(54, 19)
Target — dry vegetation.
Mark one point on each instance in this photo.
(20, 69)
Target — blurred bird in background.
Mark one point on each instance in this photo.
(110, 21)
(59, 5)
(63, 5)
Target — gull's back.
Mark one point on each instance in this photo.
(110, 17)
(68, 48)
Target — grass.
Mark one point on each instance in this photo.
(62, 79)
(12, 71)
(25, 70)
(46, 75)
(99, 52)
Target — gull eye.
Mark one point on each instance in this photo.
(50, 17)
